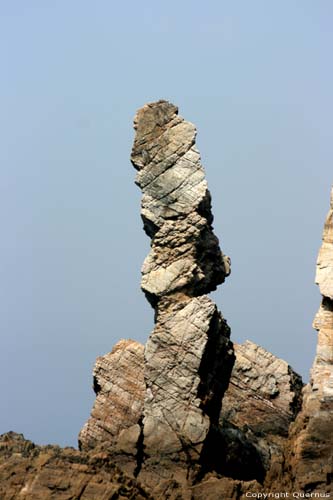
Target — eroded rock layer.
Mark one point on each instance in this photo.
(31, 472)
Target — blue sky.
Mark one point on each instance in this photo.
(256, 79)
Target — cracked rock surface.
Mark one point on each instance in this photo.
(176, 207)
(175, 438)
(31, 472)
(263, 398)
(264, 393)
(157, 407)
(119, 388)
(188, 357)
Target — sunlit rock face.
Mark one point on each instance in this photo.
(188, 356)
(158, 407)
(119, 387)
(176, 207)
(311, 450)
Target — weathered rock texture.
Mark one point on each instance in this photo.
(263, 398)
(119, 387)
(159, 412)
(310, 456)
(30, 472)
(185, 254)
(264, 393)
(188, 356)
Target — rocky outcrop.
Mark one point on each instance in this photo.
(30, 472)
(119, 387)
(310, 454)
(188, 416)
(263, 398)
(264, 393)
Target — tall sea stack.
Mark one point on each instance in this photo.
(188, 357)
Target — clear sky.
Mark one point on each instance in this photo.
(255, 77)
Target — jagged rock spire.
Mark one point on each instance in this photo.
(188, 357)
(176, 209)
(170, 431)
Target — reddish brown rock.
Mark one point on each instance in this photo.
(30, 472)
